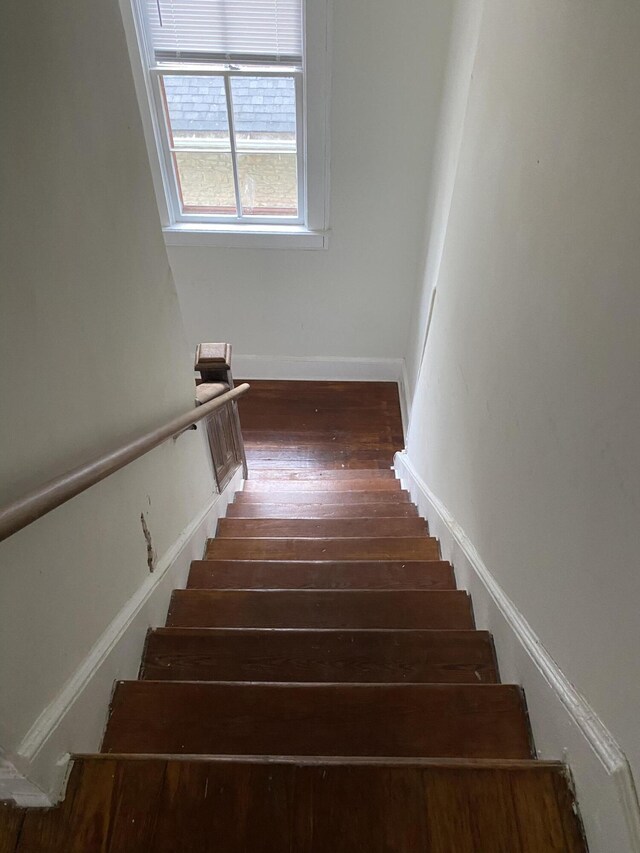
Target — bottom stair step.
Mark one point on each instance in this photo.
(168, 805)
(245, 654)
(441, 720)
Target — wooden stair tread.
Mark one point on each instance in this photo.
(389, 509)
(319, 497)
(373, 484)
(417, 656)
(334, 528)
(196, 608)
(273, 574)
(165, 804)
(389, 548)
(336, 460)
(437, 720)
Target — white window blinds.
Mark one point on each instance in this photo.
(226, 30)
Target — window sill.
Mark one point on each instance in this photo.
(246, 236)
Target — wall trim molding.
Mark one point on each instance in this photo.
(74, 721)
(318, 367)
(565, 725)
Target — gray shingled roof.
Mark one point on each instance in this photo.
(261, 104)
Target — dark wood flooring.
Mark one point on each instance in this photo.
(311, 425)
(319, 687)
(160, 805)
(315, 655)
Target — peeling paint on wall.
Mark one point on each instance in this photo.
(151, 554)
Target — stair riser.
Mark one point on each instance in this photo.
(399, 548)
(269, 510)
(431, 657)
(462, 721)
(372, 485)
(257, 574)
(233, 528)
(320, 609)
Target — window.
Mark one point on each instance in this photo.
(228, 100)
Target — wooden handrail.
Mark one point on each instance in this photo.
(38, 502)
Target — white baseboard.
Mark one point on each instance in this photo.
(565, 727)
(318, 368)
(74, 722)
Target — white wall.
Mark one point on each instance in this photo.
(353, 299)
(92, 348)
(526, 417)
(463, 40)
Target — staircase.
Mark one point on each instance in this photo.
(322, 653)
(319, 687)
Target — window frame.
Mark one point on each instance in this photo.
(179, 216)
(310, 229)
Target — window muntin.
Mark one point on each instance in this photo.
(232, 132)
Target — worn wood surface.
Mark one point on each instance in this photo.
(435, 720)
(209, 654)
(303, 608)
(334, 528)
(11, 820)
(319, 474)
(389, 548)
(251, 807)
(329, 425)
(267, 487)
(273, 574)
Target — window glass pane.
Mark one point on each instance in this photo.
(197, 111)
(268, 184)
(206, 182)
(264, 115)
(196, 108)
